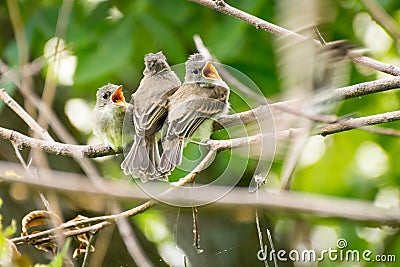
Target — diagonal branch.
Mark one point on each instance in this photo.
(360, 122)
(97, 223)
(347, 92)
(221, 6)
(24, 115)
(297, 202)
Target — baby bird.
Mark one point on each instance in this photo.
(108, 115)
(150, 102)
(203, 95)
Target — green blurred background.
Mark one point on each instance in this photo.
(106, 41)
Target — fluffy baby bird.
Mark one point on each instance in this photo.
(150, 102)
(108, 115)
(203, 95)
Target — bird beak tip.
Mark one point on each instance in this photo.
(118, 97)
(210, 72)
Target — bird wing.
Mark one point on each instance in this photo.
(186, 118)
(152, 100)
(151, 118)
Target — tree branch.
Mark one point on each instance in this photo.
(93, 151)
(56, 148)
(98, 223)
(221, 6)
(347, 92)
(367, 88)
(24, 115)
(349, 124)
(319, 205)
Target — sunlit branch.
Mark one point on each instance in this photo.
(347, 92)
(349, 124)
(221, 6)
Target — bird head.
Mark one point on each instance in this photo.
(155, 63)
(111, 94)
(199, 70)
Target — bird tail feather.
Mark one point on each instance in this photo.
(172, 155)
(143, 159)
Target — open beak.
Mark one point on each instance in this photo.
(118, 97)
(210, 72)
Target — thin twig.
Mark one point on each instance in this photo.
(132, 244)
(88, 249)
(196, 234)
(260, 238)
(45, 202)
(367, 88)
(272, 246)
(223, 7)
(347, 92)
(25, 81)
(349, 124)
(319, 205)
(381, 130)
(24, 115)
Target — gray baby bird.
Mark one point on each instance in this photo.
(150, 102)
(203, 95)
(108, 115)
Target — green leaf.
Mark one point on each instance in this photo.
(11, 229)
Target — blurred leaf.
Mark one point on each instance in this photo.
(11, 229)
(165, 38)
(108, 54)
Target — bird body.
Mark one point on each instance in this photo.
(203, 96)
(150, 103)
(108, 115)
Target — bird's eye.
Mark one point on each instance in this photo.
(195, 71)
(105, 95)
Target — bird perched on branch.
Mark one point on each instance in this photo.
(108, 115)
(204, 95)
(150, 103)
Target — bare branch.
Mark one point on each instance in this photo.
(381, 130)
(128, 235)
(223, 7)
(24, 115)
(93, 151)
(360, 122)
(347, 92)
(368, 88)
(318, 205)
(56, 148)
